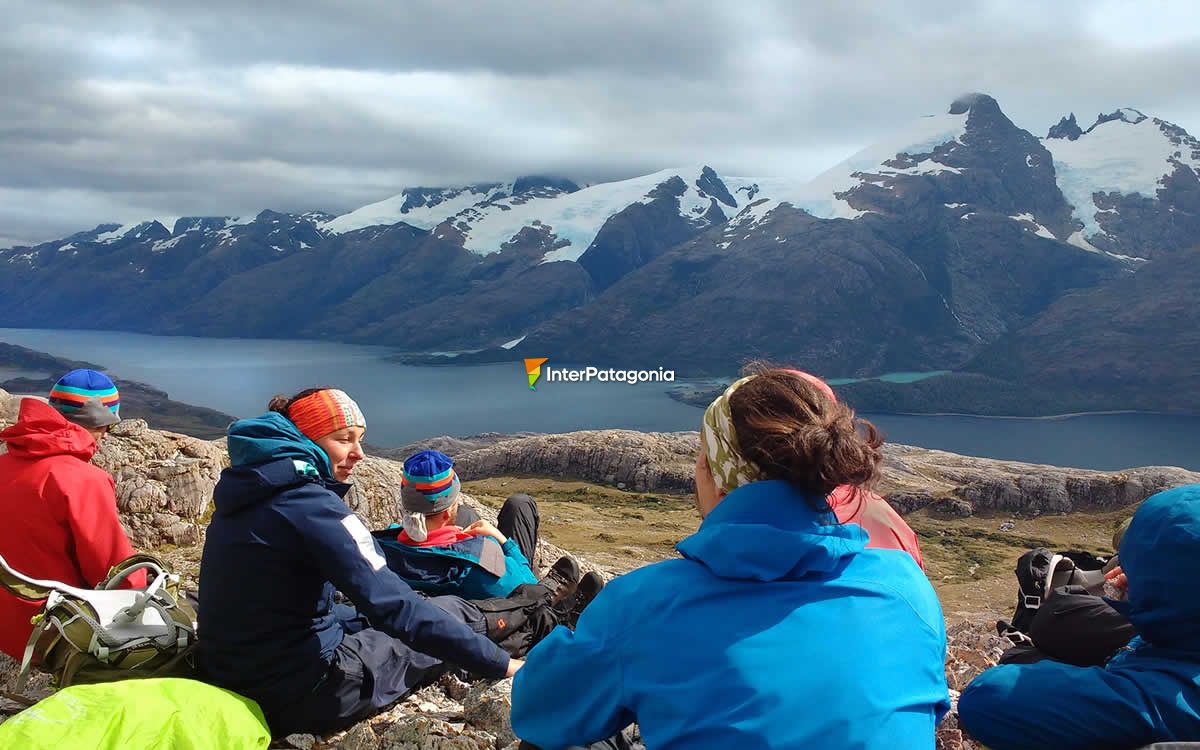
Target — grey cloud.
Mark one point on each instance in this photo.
(119, 113)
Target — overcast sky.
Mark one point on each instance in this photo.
(126, 111)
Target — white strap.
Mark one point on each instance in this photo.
(1055, 561)
(133, 611)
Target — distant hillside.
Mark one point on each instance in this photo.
(138, 400)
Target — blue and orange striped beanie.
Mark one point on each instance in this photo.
(430, 486)
(87, 398)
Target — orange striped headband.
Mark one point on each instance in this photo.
(323, 412)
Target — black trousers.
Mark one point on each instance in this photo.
(1075, 627)
(370, 671)
(519, 520)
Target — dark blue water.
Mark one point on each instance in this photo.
(405, 404)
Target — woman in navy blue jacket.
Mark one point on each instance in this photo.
(280, 543)
(777, 628)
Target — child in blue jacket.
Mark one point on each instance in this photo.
(433, 554)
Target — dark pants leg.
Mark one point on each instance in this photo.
(519, 520)
(370, 671)
(1076, 627)
(463, 610)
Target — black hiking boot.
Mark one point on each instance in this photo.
(561, 580)
(588, 588)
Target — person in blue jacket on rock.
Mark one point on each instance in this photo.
(777, 628)
(281, 542)
(1148, 692)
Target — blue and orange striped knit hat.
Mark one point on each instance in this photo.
(87, 398)
(430, 486)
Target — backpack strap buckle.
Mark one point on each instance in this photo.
(1031, 601)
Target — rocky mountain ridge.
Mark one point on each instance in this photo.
(918, 253)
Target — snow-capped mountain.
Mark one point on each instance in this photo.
(917, 252)
(1115, 167)
(484, 218)
(913, 149)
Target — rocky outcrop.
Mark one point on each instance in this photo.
(164, 481)
(451, 446)
(912, 478)
(641, 461)
(1067, 128)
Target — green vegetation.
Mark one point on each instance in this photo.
(969, 560)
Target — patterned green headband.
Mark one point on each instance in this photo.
(719, 443)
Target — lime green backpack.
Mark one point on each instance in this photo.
(172, 714)
(107, 633)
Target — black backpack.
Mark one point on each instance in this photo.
(519, 621)
(1039, 572)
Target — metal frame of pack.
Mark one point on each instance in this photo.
(107, 633)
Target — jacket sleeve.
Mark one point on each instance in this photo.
(512, 551)
(1054, 705)
(571, 690)
(346, 553)
(99, 539)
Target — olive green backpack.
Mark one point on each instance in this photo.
(107, 633)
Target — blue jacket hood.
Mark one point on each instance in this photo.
(1159, 555)
(737, 542)
(268, 454)
(270, 437)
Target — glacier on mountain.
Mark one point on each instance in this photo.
(1127, 154)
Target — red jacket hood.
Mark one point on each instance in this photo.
(40, 431)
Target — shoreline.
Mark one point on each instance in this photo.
(1039, 418)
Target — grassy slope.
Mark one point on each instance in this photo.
(969, 560)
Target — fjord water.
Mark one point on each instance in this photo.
(405, 403)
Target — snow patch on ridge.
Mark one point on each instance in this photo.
(1128, 155)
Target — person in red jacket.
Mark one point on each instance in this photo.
(885, 528)
(60, 511)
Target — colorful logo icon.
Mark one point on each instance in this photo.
(533, 368)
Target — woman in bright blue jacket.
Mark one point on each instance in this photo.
(777, 628)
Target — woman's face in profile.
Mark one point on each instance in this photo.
(344, 449)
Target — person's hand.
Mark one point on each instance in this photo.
(484, 528)
(1118, 578)
(514, 666)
